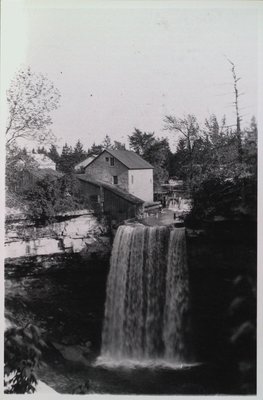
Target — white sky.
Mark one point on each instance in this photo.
(123, 65)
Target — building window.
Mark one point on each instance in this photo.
(94, 198)
(112, 161)
(115, 180)
(107, 159)
(132, 179)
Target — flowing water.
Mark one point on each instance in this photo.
(147, 302)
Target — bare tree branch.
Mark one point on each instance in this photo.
(31, 98)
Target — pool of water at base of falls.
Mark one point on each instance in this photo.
(105, 376)
(128, 363)
(154, 377)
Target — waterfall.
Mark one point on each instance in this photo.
(176, 310)
(147, 299)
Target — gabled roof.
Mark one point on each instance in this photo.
(42, 159)
(128, 158)
(112, 188)
(86, 162)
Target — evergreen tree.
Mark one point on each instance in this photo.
(79, 154)
(139, 141)
(118, 145)
(106, 144)
(250, 147)
(96, 149)
(41, 150)
(53, 154)
(66, 162)
(17, 161)
(155, 151)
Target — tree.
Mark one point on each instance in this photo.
(66, 161)
(118, 145)
(96, 149)
(23, 353)
(53, 154)
(78, 153)
(180, 161)
(139, 141)
(47, 196)
(41, 150)
(106, 144)
(158, 156)
(236, 105)
(208, 159)
(224, 185)
(17, 160)
(31, 98)
(250, 147)
(155, 151)
(78, 150)
(188, 130)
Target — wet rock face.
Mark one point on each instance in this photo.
(73, 234)
(75, 353)
(66, 300)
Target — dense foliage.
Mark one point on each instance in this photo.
(17, 161)
(242, 332)
(47, 198)
(154, 150)
(44, 194)
(208, 161)
(23, 352)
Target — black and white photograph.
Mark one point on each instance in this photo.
(130, 197)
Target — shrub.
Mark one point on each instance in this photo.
(22, 355)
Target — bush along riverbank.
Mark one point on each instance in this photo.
(222, 263)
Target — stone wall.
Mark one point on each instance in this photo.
(101, 169)
(74, 234)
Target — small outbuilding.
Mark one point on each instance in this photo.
(29, 177)
(109, 200)
(80, 167)
(43, 161)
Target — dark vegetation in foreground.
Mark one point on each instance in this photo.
(66, 304)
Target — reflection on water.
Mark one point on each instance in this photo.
(127, 363)
(151, 377)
